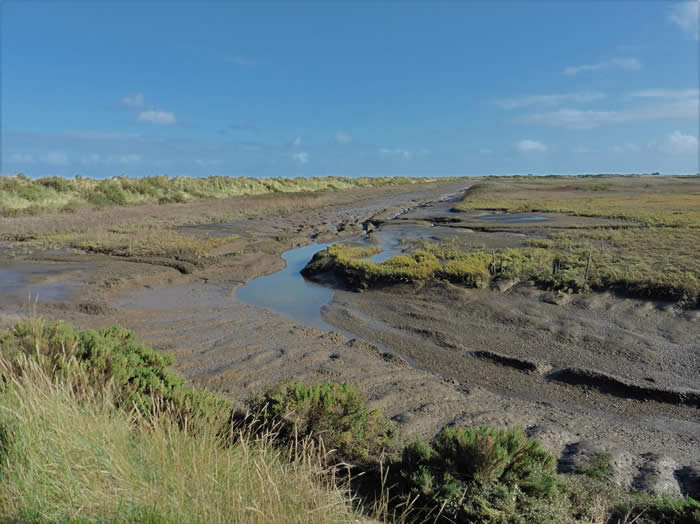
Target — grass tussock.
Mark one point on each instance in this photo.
(22, 195)
(67, 458)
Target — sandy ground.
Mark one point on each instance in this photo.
(427, 351)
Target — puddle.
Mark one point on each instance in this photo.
(513, 217)
(20, 284)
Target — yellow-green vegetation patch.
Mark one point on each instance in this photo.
(647, 262)
(22, 195)
(137, 241)
(655, 201)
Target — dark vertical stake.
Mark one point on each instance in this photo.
(588, 266)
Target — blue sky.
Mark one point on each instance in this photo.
(349, 88)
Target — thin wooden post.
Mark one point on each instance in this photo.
(588, 266)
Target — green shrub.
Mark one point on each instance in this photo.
(112, 356)
(600, 467)
(57, 183)
(648, 509)
(107, 192)
(328, 412)
(474, 473)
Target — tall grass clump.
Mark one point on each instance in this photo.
(67, 457)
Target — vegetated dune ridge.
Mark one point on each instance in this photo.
(444, 353)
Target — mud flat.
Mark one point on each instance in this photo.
(429, 353)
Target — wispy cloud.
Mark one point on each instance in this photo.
(526, 146)
(678, 143)
(485, 151)
(133, 101)
(302, 157)
(21, 158)
(396, 152)
(297, 141)
(56, 158)
(90, 159)
(685, 15)
(129, 160)
(206, 163)
(241, 60)
(618, 63)
(666, 93)
(627, 148)
(581, 150)
(161, 118)
(247, 125)
(576, 118)
(342, 137)
(101, 135)
(548, 100)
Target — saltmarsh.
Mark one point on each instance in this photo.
(652, 252)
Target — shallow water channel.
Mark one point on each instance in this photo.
(288, 292)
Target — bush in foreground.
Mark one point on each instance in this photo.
(479, 473)
(330, 413)
(139, 376)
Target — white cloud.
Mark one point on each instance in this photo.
(21, 158)
(581, 150)
(621, 63)
(297, 141)
(667, 93)
(678, 143)
(90, 159)
(132, 101)
(584, 119)
(56, 158)
(302, 157)
(527, 145)
(396, 152)
(153, 116)
(342, 137)
(685, 15)
(549, 100)
(627, 148)
(129, 160)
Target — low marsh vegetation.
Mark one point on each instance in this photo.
(644, 200)
(652, 255)
(94, 427)
(636, 263)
